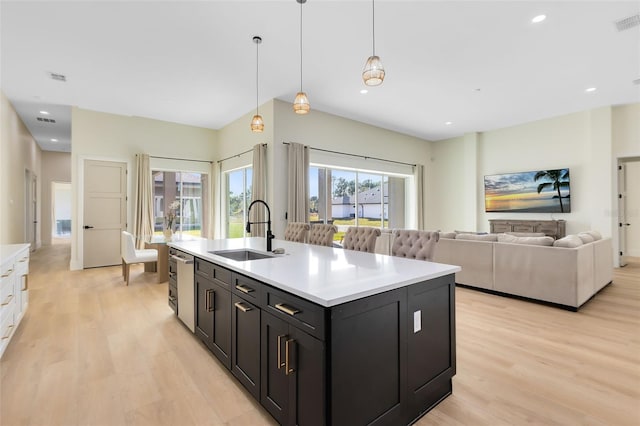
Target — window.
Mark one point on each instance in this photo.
(347, 197)
(185, 187)
(238, 190)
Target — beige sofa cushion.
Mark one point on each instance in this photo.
(527, 234)
(450, 235)
(474, 257)
(570, 241)
(586, 238)
(533, 241)
(595, 234)
(553, 274)
(477, 237)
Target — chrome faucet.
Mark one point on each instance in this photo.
(268, 222)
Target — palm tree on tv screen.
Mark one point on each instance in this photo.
(555, 177)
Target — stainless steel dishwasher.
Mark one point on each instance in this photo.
(184, 263)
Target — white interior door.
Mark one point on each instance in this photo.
(31, 208)
(622, 211)
(631, 225)
(105, 197)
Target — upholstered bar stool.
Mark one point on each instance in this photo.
(322, 234)
(296, 232)
(361, 238)
(413, 244)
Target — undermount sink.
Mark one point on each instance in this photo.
(242, 255)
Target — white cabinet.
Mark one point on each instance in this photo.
(14, 289)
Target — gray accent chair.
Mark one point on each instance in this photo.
(413, 244)
(361, 238)
(322, 234)
(296, 232)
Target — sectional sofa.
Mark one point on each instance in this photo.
(565, 272)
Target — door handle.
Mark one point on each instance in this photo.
(88, 227)
(280, 363)
(210, 300)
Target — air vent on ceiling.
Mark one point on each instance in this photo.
(46, 120)
(57, 77)
(636, 81)
(628, 22)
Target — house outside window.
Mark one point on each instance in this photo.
(348, 197)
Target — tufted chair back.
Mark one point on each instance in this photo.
(322, 234)
(361, 238)
(296, 232)
(414, 244)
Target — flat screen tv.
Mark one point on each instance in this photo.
(543, 191)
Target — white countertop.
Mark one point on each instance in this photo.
(10, 250)
(324, 275)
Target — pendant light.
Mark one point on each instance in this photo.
(257, 124)
(301, 102)
(373, 73)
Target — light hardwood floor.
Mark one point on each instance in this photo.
(93, 351)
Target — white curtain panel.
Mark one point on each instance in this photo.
(418, 173)
(298, 183)
(143, 201)
(259, 189)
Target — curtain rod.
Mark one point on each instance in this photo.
(238, 155)
(357, 155)
(180, 159)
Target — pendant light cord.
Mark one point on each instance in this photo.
(257, 43)
(373, 9)
(301, 46)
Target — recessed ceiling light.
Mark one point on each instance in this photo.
(448, 123)
(590, 90)
(364, 91)
(44, 112)
(54, 140)
(539, 18)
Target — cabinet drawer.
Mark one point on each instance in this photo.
(7, 312)
(523, 227)
(213, 272)
(305, 315)
(247, 288)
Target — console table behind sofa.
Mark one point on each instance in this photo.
(552, 228)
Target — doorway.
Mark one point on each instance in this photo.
(31, 208)
(629, 209)
(61, 212)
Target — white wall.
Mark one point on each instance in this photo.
(102, 136)
(579, 141)
(317, 130)
(18, 152)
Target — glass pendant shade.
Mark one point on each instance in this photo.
(257, 124)
(301, 103)
(373, 73)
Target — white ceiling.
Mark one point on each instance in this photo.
(478, 64)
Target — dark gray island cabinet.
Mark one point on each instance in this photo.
(381, 359)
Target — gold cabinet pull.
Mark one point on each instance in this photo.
(288, 369)
(243, 308)
(6, 274)
(287, 309)
(280, 363)
(211, 300)
(6, 302)
(26, 282)
(8, 332)
(244, 288)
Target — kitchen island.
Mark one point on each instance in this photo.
(321, 335)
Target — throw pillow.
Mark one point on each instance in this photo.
(586, 238)
(595, 234)
(477, 237)
(570, 241)
(534, 241)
